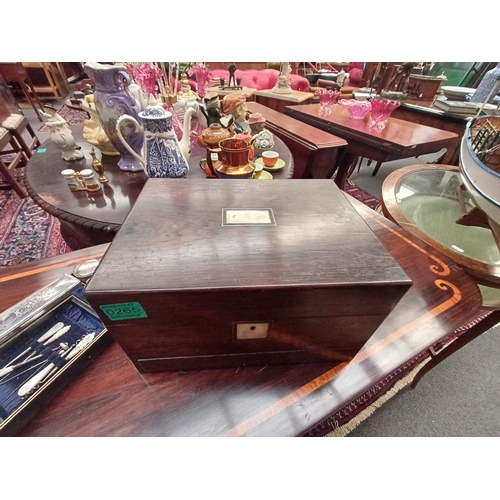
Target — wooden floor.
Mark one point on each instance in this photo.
(110, 398)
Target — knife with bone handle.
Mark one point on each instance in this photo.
(51, 368)
(47, 335)
(29, 359)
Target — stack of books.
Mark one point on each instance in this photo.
(462, 107)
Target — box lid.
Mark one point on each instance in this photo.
(196, 234)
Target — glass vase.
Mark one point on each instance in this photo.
(380, 112)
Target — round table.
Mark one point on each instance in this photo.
(427, 201)
(87, 218)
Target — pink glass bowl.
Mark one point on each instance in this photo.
(328, 97)
(357, 109)
(381, 110)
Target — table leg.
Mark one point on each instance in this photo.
(344, 169)
(489, 322)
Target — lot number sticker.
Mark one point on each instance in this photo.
(126, 310)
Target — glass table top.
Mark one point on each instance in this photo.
(427, 200)
(433, 201)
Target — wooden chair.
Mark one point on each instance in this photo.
(55, 83)
(16, 72)
(16, 124)
(15, 159)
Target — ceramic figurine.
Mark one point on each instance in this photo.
(263, 140)
(186, 93)
(235, 104)
(93, 132)
(112, 100)
(257, 123)
(164, 155)
(283, 84)
(212, 108)
(61, 135)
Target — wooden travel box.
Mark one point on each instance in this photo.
(222, 273)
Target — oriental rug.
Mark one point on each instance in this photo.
(27, 232)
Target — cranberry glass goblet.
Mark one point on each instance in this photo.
(328, 97)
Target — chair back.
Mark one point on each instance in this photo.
(4, 110)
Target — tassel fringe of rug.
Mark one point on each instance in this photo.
(348, 427)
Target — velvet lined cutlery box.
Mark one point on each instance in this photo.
(223, 273)
(46, 340)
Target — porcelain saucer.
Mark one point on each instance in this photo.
(279, 164)
(263, 175)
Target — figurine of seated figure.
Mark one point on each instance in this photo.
(257, 123)
(61, 135)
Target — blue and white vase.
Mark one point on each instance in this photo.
(163, 156)
(485, 89)
(113, 100)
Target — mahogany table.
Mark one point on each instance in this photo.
(423, 112)
(315, 152)
(399, 139)
(110, 398)
(89, 219)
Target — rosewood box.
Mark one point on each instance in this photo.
(222, 273)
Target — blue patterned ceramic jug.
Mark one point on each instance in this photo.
(163, 155)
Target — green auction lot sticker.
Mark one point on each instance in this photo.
(125, 310)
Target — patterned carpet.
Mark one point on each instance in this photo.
(26, 232)
(71, 115)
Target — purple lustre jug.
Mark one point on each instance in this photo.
(112, 100)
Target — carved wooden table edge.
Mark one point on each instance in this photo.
(106, 227)
(314, 401)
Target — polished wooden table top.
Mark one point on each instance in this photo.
(398, 136)
(106, 210)
(110, 398)
(398, 139)
(293, 127)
